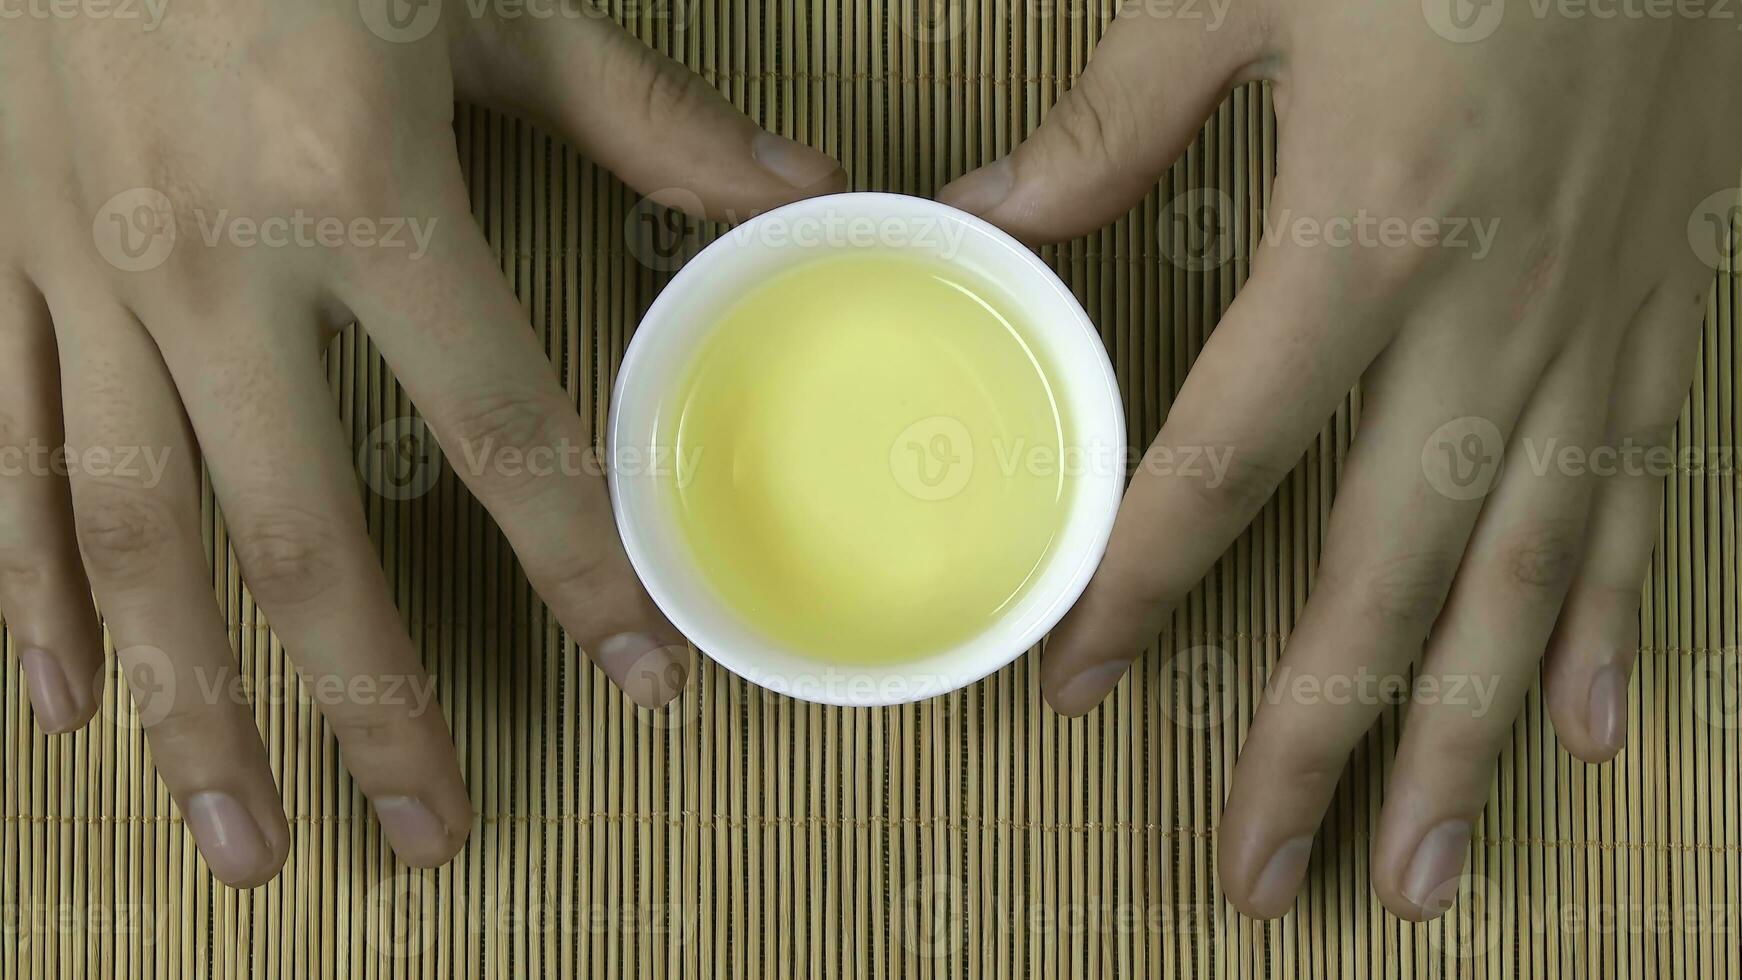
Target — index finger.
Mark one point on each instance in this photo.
(1288, 350)
(460, 343)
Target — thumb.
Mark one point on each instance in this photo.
(643, 116)
(1155, 77)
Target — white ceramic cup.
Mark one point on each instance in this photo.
(692, 305)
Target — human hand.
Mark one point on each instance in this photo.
(189, 210)
(1603, 156)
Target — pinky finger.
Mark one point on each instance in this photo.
(1590, 658)
(43, 592)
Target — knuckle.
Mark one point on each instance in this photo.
(500, 419)
(286, 556)
(587, 588)
(1465, 741)
(369, 731)
(666, 94)
(20, 574)
(1242, 488)
(1540, 562)
(499, 427)
(123, 530)
(1099, 122)
(1405, 594)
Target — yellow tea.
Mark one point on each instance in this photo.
(867, 458)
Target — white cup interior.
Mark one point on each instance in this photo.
(689, 308)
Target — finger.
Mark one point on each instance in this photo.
(1591, 654)
(458, 340)
(1483, 654)
(1154, 79)
(282, 472)
(1299, 334)
(43, 592)
(1395, 538)
(643, 116)
(139, 532)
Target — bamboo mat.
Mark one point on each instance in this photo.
(739, 834)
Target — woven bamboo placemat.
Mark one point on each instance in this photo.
(740, 834)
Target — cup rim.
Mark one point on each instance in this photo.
(1105, 402)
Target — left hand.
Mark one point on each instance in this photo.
(1594, 149)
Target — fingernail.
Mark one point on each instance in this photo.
(650, 670)
(1082, 692)
(233, 846)
(417, 834)
(1279, 882)
(791, 161)
(982, 190)
(50, 694)
(1606, 714)
(1438, 861)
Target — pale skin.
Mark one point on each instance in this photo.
(1592, 142)
(262, 109)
